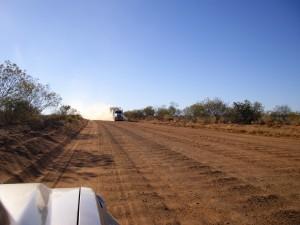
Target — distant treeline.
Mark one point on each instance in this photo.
(217, 111)
(23, 98)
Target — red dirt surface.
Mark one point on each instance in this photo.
(25, 149)
(156, 174)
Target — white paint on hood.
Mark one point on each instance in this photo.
(35, 204)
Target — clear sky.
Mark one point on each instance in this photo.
(134, 53)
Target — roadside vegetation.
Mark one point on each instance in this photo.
(29, 138)
(239, 117)
(23, 99)
(217, 111)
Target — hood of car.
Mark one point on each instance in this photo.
(35, 204)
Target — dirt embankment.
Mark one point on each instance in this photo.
(25, 149)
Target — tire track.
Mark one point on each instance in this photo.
(271, 167)
(150, 200)
(188, 175)
(56, 169)
(253, 198)
(212, 142)
(52, 178)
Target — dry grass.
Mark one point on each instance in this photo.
(262, 130)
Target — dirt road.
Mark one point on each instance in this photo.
(153, 174)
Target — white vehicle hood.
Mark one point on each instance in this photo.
(35, 204)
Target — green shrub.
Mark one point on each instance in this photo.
(162, 113)
(149, 111)
(246, 112)
(280, 114)
(135, 114)
(15, 111)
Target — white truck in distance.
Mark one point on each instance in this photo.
(118, 114)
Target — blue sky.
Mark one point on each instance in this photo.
(135, 53)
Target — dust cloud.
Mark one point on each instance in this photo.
(97, 111)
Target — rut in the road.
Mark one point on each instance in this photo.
(229, 146)
(192, 178)
(177, 177)
(138, 201)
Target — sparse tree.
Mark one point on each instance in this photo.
(18, 89)
(11, 78)
(149, 111)
(17, 111)
(215, 108)
(173, 109)
(40, 96)
(162, 113)
(17, 85)
(194, 111)
(135, 114)
(281, 113)
(247, 112)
